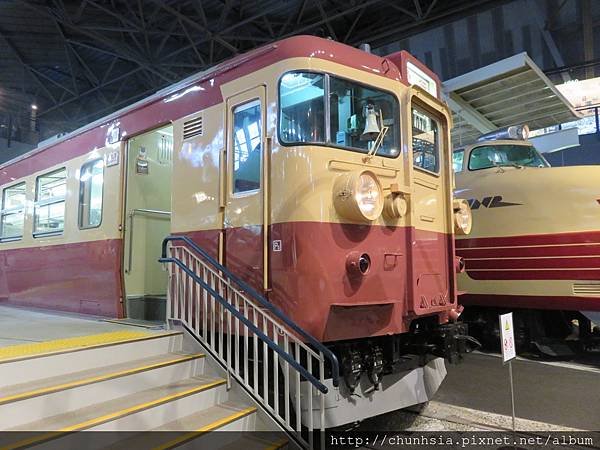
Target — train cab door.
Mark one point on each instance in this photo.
(244, 202)
(431, 246)
(147, 221)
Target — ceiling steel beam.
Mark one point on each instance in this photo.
(27, 67)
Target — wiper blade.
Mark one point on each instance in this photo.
(518, 166)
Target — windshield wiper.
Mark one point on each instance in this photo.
(518, 166)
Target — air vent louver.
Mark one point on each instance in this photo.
(591, 289)
(192, 128)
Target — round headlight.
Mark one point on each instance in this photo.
(358, 196)
(369, 196)
(463, 218)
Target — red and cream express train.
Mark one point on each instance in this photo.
(535, 243)
(350, 233)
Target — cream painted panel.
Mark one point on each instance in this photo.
(301, 178)
(196, 173)
(111, 205)
(548, 200)
(516, 287)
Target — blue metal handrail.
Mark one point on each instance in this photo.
(335, 369)
(270, 343)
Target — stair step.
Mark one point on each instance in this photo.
(209, 419)
(253, 442)
(29, 364)
(101, 413)
(189, 428)
(50, 385)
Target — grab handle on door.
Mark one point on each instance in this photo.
(130, 216)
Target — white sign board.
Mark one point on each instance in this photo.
(421, 79)
(507, 336)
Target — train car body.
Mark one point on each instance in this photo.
(535, 242)
(268, 162)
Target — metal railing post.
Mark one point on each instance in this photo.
(194, 277)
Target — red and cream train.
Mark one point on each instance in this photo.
(351, 232)
(535, 243)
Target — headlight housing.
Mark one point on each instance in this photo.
(358, 196)
(463, 218)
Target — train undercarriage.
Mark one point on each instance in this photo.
(551, 333)
(376, 357)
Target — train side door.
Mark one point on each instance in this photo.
(147, 220)
(431, 244)
(244, 200)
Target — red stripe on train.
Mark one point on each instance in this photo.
(535, 274)
(580, 237)
(565, 303)
(534, 263)
(519, 252)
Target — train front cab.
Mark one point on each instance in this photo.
(260, 189)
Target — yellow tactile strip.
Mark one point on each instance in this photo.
(111, 416)
(96, 379)
(58, 345)
(207, 428)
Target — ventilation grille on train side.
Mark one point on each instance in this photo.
(586, 289)
(192, 128)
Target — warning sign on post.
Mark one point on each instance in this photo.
(508, 337)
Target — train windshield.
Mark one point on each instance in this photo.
(355, 116)
(503, 155)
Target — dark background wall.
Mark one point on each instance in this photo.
(587, 153)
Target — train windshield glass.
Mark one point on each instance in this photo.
(503, 155)
(355, 117)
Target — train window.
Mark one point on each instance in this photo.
(49, 208)
(302, 108)
(488, 156)
(12, 217)
(458, 158)
(247, 139)
(358, 115)
(91, 186)
(425, 140)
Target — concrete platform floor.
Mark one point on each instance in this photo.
(22, 326)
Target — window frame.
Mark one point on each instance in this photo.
(327, 112)
(262, 137)
(48, 202)
(4, 212)
(434, 117)
(81, 193)
(498, 145)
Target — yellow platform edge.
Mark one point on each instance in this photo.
(36, 349)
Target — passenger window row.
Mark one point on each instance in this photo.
(49, 204)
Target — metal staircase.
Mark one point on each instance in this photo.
(280, 365)
(153, 382)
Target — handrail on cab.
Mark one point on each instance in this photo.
(335, 369)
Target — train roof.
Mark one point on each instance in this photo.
(393, 66)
